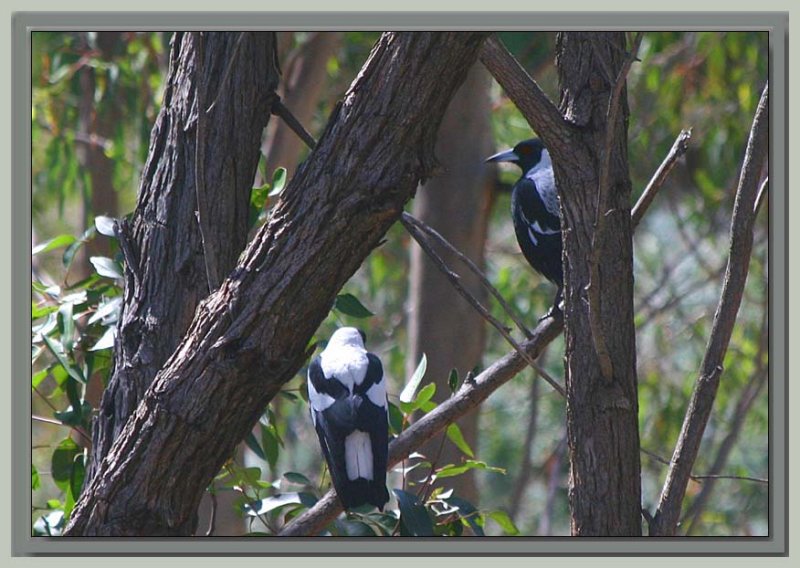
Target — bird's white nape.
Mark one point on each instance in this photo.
(346, 337)
(358, 455)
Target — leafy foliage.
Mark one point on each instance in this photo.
(708, 81)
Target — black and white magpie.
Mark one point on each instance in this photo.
(347, 395)
(535, 211)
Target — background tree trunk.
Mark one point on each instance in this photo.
(602, 424)
(457, 203)
(251, 335)
(305, 73)
(165, 275)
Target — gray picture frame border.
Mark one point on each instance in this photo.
(776, 23)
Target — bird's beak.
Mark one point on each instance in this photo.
(504, 156)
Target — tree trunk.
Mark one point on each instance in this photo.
(165, 275)
(251, 335)
(602, 407)
(442, 324)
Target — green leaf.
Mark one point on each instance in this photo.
(455, 436)
(452, 380)
(73, 417)
(107, 312)
(414, 517)
(421, 400)
(451, 470)
(278, 181)
(63, 462)
(271, 444)
(67, 326)
(41, 311)
(252, 443)
(352, 527)
(106, 341)
(74, 372)
(105, 226)
(106, 267)
(35, 481)
(54, 243)
(407, 395)
(351, 306)
(505, 522)
(296, 478)
(277, 501)
(38, 377)
(395, 419)
(469, 513)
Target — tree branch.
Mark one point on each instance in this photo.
(435, 235)
(411, 225)
(702, 401)
(279, 109)
(678, 149)
(540, 112)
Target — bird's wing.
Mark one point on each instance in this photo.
(545, 183)
(534, 211)
(373, 417)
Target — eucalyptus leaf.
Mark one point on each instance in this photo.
(455, 435)
(414, 517)
(107, 267)
(278, 181)
(106, 341)
(105, 226)
(408, 392)
(52, 244)
(351, 306)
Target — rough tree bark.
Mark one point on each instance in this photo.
(250, 335)
(165, 275)
(442, 324)
(602, 406)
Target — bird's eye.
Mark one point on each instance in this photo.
(524, 150)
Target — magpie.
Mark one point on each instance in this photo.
(535, 211)
(347, 396)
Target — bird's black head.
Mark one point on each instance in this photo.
(526, 154)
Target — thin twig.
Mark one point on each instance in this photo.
(593, 288)
(280, 110)
(475, 270)
(228, 71)
(54, 422)
(455, 280)
(209, 256)
(678, 149)
(705, 391)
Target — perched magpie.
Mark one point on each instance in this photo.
(534, 209)
(347, 395)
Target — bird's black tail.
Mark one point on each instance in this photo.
(360, 491)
